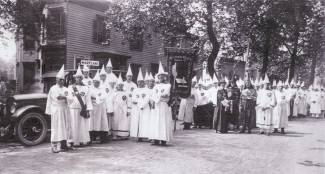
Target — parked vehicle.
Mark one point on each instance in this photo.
(23, 117)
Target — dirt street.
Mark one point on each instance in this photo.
(300, 151)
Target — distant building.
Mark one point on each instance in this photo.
(75, 30)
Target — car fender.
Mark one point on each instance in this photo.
(21, 111)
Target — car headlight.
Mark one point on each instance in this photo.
(13, 108)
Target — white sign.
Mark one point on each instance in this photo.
(89, 62)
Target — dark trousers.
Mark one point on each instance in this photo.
(291, 107)
(204, 115)
(246, 122)
(222, 119)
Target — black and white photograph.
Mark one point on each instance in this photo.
(162, 86)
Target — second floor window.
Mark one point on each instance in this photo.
(55, 23)
(101, 33)
(29, 37)
(136, 39)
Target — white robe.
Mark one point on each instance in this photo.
(98, 120)
(186, 107)
(322, 100)
(280, 111)
(300, 103)
(314, 101)
(258, 108)
(79, 124)
(144, 113)
(129, 88)
(267, 101)
(161, 126)
(87, 81)
(135, 112)
(58, 110)
(120, 121)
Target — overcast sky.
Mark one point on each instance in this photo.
(7, 47)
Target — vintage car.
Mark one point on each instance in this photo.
(23, 117)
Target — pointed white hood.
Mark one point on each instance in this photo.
(140, 75)
(129, 73)
(60, 74)
(78, 73)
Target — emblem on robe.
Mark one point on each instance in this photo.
(143, 95)
(124, 97)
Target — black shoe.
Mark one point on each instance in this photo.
(275, 131)
(155, 142)
(163, 143)
(282, 131)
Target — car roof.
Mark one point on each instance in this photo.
(29, 96)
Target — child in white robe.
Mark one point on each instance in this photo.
(120, 121)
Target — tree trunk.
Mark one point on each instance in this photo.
(266, 50)
(313, 70)
(212, 37)
(296, 33)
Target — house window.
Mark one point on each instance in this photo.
(101, 33)
(55, 27)
(136, 39)
(29, 37)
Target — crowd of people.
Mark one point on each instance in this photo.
(105, 107)
(241, 105)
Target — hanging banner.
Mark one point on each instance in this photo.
(180, 66)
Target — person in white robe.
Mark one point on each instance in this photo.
(280, 111)
(300, 104)
(186, 107)
(161, 129)
(136, 107)
(314, 102)
(79, 124)
(98, 121)
(129, 87)
(266, 102)
(120, 121)
(144, 110)
(86, 79)
(57, 108)
(259, 89)
(322, 102)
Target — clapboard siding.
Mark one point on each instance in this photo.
(80, 39)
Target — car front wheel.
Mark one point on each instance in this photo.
(31, 129)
